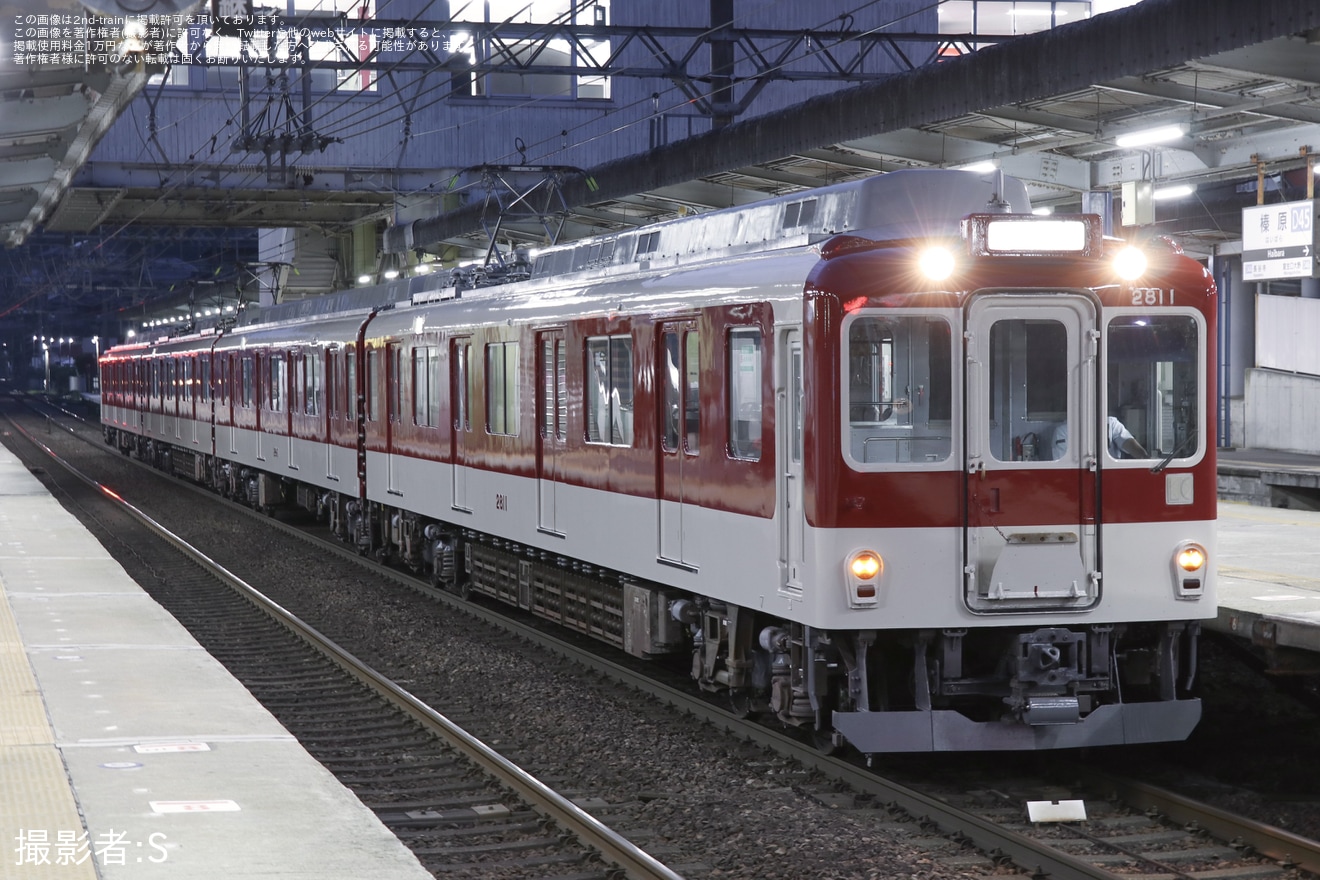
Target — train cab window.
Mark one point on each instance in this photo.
(1153, 384)
(745, 394)
(276, 389)
(899, 370)
(1029, 381)
(609, 390)
(502, 388)
(682, 398)
(249, 380)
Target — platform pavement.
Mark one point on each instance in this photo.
(127, 751)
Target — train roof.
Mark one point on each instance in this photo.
(907, 204)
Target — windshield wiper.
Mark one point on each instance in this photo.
(1163, 463)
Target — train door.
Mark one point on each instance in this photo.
(678, 371)
(552, 422)
(1031, 539)
(460, 397)
(792, 399)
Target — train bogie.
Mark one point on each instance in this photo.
(866, 474)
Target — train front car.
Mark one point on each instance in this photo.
(1010, 479)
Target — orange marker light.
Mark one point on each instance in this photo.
(867, 565)
(1191, 558)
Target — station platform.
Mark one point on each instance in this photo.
(1269, 554)
(127, 751)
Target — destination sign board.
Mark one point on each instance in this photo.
(1278, 241)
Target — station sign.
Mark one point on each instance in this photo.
(1279, 241)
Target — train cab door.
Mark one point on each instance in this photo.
(460, 399)
(552, 426)
(1031, 538)
(678, 372)
(792, 398)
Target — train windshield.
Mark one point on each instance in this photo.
(1153, 384)
(900, 389)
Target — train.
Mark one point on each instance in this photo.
(897, 463)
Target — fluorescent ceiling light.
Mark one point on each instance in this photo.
(1160, 135)
(1043, 212)
(1178, 191)
(983, 167)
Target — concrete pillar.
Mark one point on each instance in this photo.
(1241, 317)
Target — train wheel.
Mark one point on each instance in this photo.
(827, 742)
(742, 702)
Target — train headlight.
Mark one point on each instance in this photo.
(1130, 263)
(864, 569)
(1190, 570)
(936, 263)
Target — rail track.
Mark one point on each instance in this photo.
(416, 769)
(967, 821)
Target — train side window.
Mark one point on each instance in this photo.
(373, 395)
(350, 384)
(249, 380)
(333, 406)
(672, 382)
(433, 375)
(502, 388)
(395, 379)
(169, 379)
(692, 392)
(682, 398)
(745, 394)
(186, 380)
(554, 386)
(609, 390)
(276, 390)
(426, 392)
(1153, 384)
(311, 384)
(204, 378)
(462, 391)
(899, 374)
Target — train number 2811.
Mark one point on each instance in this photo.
(1152, 296)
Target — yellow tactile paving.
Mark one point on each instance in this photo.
(39, 821)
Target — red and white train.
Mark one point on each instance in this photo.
(857, 451)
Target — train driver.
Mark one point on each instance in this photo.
(1121, 442)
